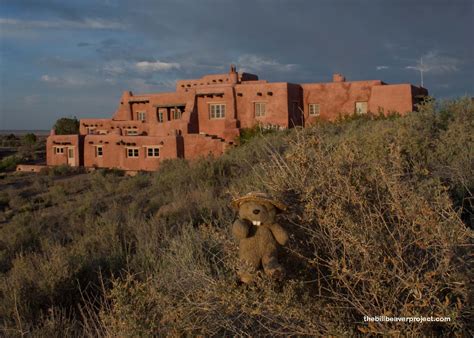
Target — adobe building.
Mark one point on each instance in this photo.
(204, 116)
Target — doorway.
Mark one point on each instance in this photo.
(70, 156)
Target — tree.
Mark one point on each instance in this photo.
(29, 139)
(66, 126)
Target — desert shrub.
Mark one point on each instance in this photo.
(380, 239)
(375, 206)
(10, 140)
(4, 200)
(375, 232)
(62, 170)
(192, 290)
(9, 163)
(111, 172)
(246, 134)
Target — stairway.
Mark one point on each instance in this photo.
(215, 137)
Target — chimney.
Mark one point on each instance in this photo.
(233, 77)
(338, 78)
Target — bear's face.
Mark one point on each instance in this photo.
(257, 213)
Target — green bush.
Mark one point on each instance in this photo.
(29, 139)
(66, 126)
(9, 163)
(62, 170)
(247, 134)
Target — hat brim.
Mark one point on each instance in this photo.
(238, 201)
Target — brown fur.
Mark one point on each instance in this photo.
(258, 243)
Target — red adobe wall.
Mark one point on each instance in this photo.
(221, 127)
(34, 168)
(66, 141)
(336, 98)
(275, 95)
(391, 98)
(196, 146)
(117, 144)
(98, 124)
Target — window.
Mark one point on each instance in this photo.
(153, 152)
(260, 108)
(59, 150)
(361, 108)
(91, 130)
(99, 151)
(160, 116)
(313, 109)
(141, 116)
(216, 111)
(176, 114)
(132, 152)
(131, 132)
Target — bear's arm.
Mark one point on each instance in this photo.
(240, 229)
(279, 233)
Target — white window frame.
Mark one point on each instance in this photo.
(58, 150)
(217, 111)
(259, 112)
(161, 117)
(359, 111)
(131, 132)
(132, 152)
(155, 152)
(99, 151)
(314, 109)
(141, 115)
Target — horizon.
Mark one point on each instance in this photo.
(75, 59)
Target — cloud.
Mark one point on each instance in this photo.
(86, 23)
(57, 62)
(251, 62)
(62, 81)
(143, 69)
(382, 67)
(31, 99)
(50, 79)
(435, 63)
(115, 68)
(142, 85)
(156, 66)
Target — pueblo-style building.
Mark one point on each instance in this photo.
(204, 116)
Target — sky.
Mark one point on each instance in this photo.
(74, 58)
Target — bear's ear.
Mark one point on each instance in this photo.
(234, 205)
(276, 208)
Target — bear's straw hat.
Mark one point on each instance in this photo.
(256, 196)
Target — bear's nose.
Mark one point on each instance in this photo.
(256, 211)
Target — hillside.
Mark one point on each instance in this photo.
(381, 213)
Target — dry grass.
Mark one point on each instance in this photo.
(380, 222)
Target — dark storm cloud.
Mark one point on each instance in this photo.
(81, 54)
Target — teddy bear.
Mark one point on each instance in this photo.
(259, 235)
